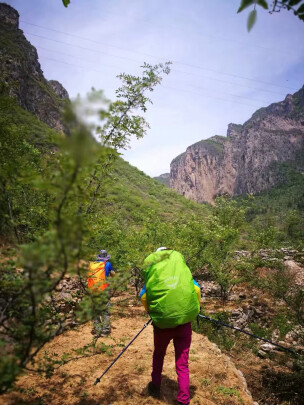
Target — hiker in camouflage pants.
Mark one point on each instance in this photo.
(101, 324)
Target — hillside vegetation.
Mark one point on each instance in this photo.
(277, 216)
(49, 232)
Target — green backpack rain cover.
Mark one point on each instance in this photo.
(171, 297)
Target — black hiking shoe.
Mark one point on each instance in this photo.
(153, 390)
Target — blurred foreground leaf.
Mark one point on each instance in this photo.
(251, 19)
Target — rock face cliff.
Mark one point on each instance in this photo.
(21, 76)
(248, 159)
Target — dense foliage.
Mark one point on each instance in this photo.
(276, 218)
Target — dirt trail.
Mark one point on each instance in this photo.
(213, 377)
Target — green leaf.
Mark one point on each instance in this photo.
(251, 19)
(263, 3)
(294, 2)
(244, 4)
(66, 2)
(300, 10)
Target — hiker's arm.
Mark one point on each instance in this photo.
(143, 297)
(112, 272)
(109, 270)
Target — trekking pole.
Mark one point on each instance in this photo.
(123, 350)
(247, 333)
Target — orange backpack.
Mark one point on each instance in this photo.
(97, 276)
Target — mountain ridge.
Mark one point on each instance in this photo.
(21, 74)
(246, 160)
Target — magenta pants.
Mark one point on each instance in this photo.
(181, 336)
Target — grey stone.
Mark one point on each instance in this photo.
(65, 296)
(9, 15)
(289, 364)
(262, 354)
(267, 347)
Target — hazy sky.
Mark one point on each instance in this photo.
(220, 73)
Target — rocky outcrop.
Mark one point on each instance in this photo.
(248, 159)
(58, 89)
(21, 75)
(9, 15)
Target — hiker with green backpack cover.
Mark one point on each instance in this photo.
(172, 299)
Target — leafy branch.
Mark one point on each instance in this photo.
(120, 121)
(276, 6)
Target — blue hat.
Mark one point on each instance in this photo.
(103, 255)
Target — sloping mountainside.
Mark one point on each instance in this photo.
(128, 198)
(247, 160)
(21, 76)
(129, 189)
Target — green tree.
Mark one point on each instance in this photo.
(223, 235)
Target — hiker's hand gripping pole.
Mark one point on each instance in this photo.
(123, 350)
